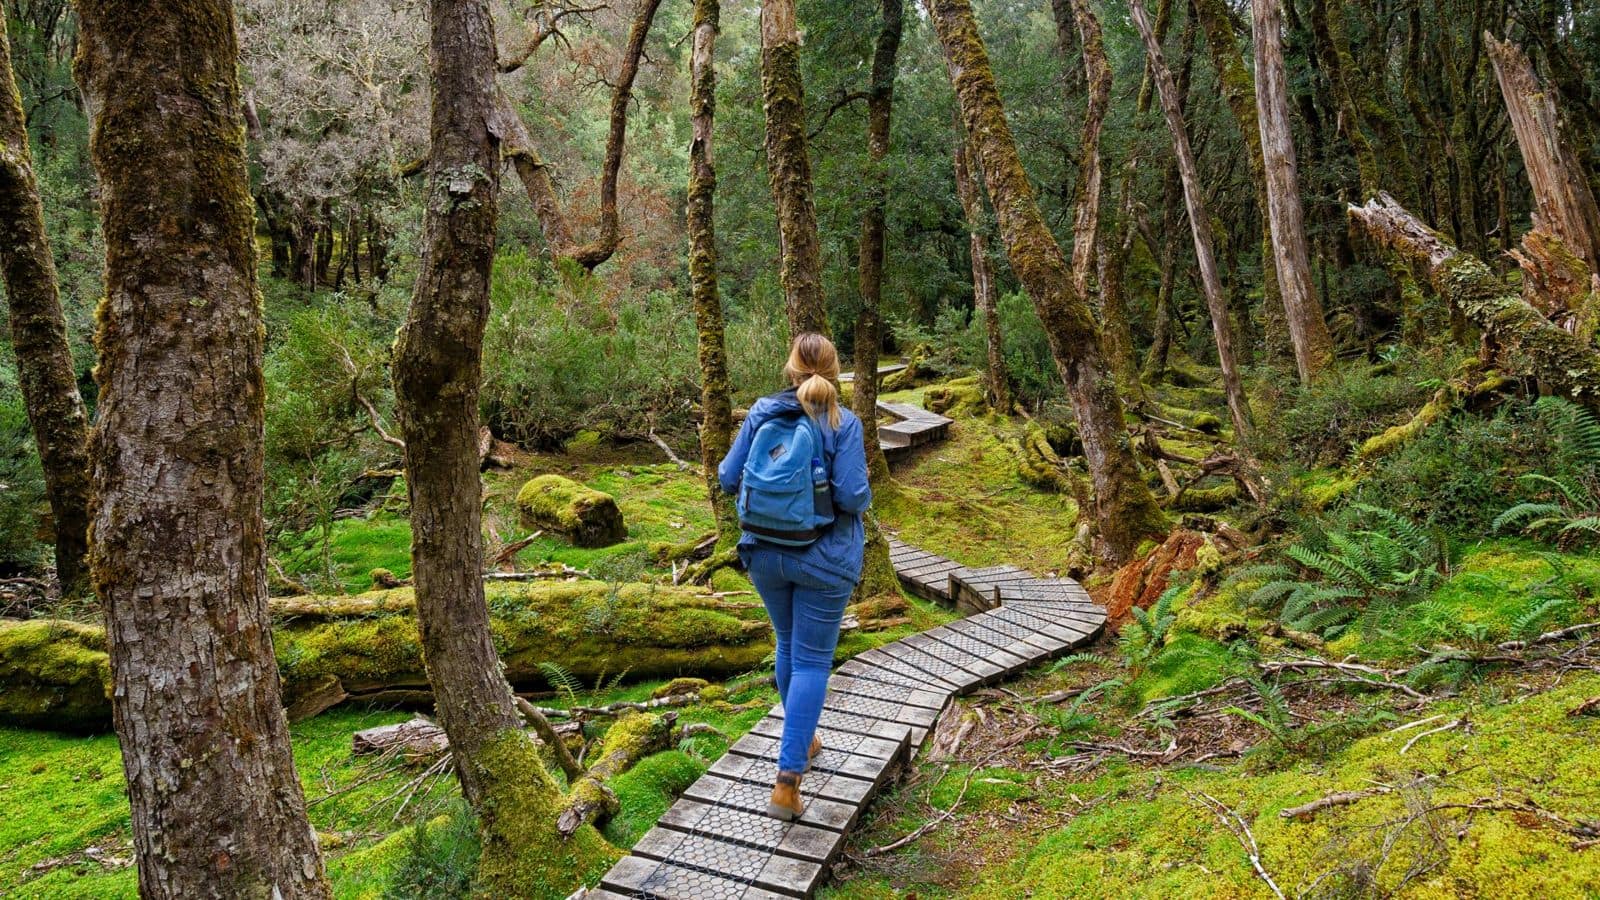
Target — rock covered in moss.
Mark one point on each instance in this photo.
(588, 518)
(677, 686)
(54, 674)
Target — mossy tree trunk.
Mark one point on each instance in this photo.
(716, 404)
(1124, 509)
(1239, 89)
(869, 322)
(1199, 226)
(996, 380)
(39, 339)
(437, 370)
(179, 543)
(1313, 346)
(1075, 17)
(1117, 331)
(789, 168)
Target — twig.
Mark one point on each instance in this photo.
(1458, 723)
(676, 460)
(1549, 636)
(507, 553)
(1242, 834)
(933, 823)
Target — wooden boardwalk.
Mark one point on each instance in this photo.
(913, 426)
(717, 843)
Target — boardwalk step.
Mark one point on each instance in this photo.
(717, 842)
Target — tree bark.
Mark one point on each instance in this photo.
(1117, 331)
(1199, 227)
(437, 370)
(1519, 338)
(1313, 346)
(789, 169)
(716, 405)
(1124, 508)
(869, 323)
(1239, 88)
(604, 245)
(1563, 202)
(997, 383)
(39, 339)
(179, 544)
(1070, 16)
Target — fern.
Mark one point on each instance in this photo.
(562, 680)
(1531, 621)
(1075, 659)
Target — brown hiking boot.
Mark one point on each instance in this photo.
(816, 747)
(785, 802)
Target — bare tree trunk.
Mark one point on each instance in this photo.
(1313, 347)
(869, 324)
(1565, 205)
(437, 370)
(39, 339)
(1124, 508)
(604, 245)
(788, 167)
(1199, 226)
(179, 544)
(716, 406)
(997, 383)
(1116, 334)
(1239, 88)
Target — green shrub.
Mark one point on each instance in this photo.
(440, 859)
(1565, 506)
(1320, 425)
(560, 356)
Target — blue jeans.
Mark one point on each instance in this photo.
(806, 609)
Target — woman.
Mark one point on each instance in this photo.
(805, 582)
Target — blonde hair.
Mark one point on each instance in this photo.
(813, 368)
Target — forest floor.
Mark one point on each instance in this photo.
(1084, 778)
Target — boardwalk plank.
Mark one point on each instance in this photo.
(755, 830)
(736, 862)
(638, 876)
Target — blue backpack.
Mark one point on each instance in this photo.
(784, 494)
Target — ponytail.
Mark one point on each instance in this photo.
(813, 367)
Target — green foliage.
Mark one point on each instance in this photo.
(1376, 562)
(1322, 424)
(1142, 638)
(22, 497)
(560, 355)
(1565, 508)
(440, 859)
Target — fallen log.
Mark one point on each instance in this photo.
(631, 739)
(418, 737)
(55, 673)
(1520, 338)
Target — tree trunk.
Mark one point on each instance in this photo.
(716, 405)
(1519, 338)
(997, 383)
(869, 324)
(1124, 508)
(39, 339)
(179, 555)
(437, 370)
(604, 245)
(1117, 332)
(788, 167)
(1313, 347)
(1564, 205)
(1199, 226)
(1076, 15)
(1239, 88)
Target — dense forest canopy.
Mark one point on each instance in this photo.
(374, 359)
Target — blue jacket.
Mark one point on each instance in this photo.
(837, 554)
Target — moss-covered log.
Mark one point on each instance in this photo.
(54, 674)
(633, 737)
(1519, 337)
(589, 518)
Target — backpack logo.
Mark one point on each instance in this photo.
(784, 493)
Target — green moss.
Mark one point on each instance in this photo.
(958, 398)
(354, 549)
(590, 518)
(1188, 662)
(646, 791)
(56, 674)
